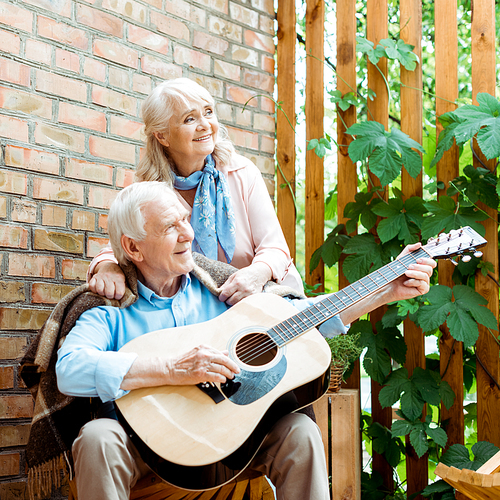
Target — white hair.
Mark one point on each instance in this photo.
(125, 215)
(157, 110)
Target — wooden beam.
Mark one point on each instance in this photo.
(488, 369)
(285, 122)
(315, 196)
(411, 124)
(451, 351)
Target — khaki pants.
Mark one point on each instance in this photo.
(292, 457)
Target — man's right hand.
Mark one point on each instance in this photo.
(108, 280)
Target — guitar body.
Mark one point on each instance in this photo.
(201, 439)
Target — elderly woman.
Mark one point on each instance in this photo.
(231, 212)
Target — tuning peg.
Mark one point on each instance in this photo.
(478, 254)
(454, 262)
(466, 258)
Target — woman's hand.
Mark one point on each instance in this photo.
(244, 282)
(108, 280)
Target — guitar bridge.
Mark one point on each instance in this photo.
(211, 390)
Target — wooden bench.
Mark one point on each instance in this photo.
(483, 484)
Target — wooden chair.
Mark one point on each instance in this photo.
(151, 487)
(483, 484)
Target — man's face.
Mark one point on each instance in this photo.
(166, 250)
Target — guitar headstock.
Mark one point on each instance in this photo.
(456, 242)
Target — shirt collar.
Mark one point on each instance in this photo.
(149, 295)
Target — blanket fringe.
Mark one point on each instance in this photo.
(45, 478)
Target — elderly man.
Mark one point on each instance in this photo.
(150, 228)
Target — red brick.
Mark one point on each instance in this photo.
(99, 20)
(68, 60)
(16, 17)
(101, 197)
(58, 242)
(6, 377)
(259, 41)
(84, 221)
(21, 318)
(103, 222)
(114, 150)
(58, 7)
(13, 182)
(264, 5)
(13, 236)
(226, 70)
(12, 128)
(114, 100)
(214, 86)
(63, 33)
(267, 24)
(3, 210)
(9, 462)
(245, 55)
(244, 117)
(243, 15)
(12, 291)
(74, 269)
(226, 29)
(244, 138)
(14, 72)
(141, 83)
(267, 64)
(155, 3)
(169, 26)
(258, 80)
(60, 85)
(94, 69)
(126, 128)
(16, 407)
(267, 104)
(267, 144)
(147, 39)
(32, 159)
(119, 78)
(84, 170)
(264, 122)
(183, 9)
(48, 293)
(53, 215)
(40, 266)
(55, 190)
(54, 135)
(10, 42)
(116, 52)
(38, 51)
(130, 9)
(158, 67)
(124, 177)
(24, 102)
(82, 117)
(184, 55)
(95, 245)
(23, 211)
(210, 43)
(12, 347)
(14, 435)
(243, 96)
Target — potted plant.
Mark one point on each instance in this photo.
(345, 350)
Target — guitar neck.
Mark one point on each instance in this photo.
(335, 303)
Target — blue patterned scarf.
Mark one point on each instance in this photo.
(212, 217)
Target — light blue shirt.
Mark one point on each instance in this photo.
(89, 364)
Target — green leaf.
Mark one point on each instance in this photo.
(479, 185)
(331, 249)
(433, 315)
(418, 439)
(436, 433)
(401, 427)
(446, 393)
(471, 301)
(361, 209)
(440, 486)
(401, 52)
(458, 455)
(427, 386)
(412, 403)
(397, 382)
(483, 451)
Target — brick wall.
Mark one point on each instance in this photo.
(72, 77)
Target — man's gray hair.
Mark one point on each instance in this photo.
(125, 216)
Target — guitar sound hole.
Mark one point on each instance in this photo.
(256, 349)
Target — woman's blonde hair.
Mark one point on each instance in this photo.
(157, 109)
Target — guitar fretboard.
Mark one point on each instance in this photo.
(335, 303)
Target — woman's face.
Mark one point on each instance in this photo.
(191, 136)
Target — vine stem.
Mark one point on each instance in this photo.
(473, 204)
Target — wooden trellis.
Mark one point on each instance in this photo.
(482, 38)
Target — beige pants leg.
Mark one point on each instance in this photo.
(107, 465)
(293, 458)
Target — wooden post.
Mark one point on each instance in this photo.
(315, 196)
(346, 82)
(451, 351)
(488, 366)
(285, 122)
(378, 110)
(411, 124)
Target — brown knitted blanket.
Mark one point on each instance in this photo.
(58, 418)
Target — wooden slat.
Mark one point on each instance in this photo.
(411, 124)
(346, 82)
(285, 122)
(451, 352)
(315, 196)
(483, 80)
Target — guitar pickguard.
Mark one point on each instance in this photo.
(249, 386)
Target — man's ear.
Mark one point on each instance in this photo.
(131, 249)
(162, 139)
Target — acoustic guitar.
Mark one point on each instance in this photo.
(200, 437)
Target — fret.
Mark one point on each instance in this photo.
(361, 283)
(389, 267)
(338, 298)
(302, 326)
(311, 311)
(282, 335)
(378, 271)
